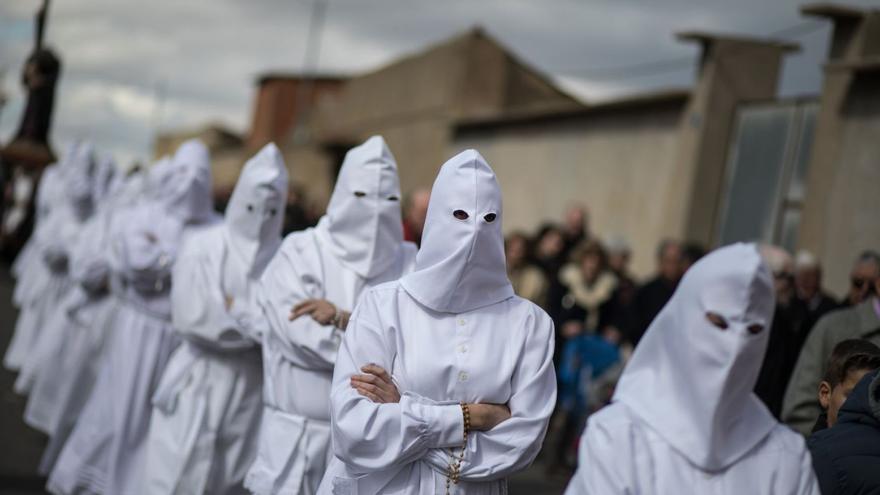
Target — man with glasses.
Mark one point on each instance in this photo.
(859, 321)
(865, 269)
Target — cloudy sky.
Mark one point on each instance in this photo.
(132, 68)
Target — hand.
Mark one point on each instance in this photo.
(376, 385)
(321, 310)
(484, 417)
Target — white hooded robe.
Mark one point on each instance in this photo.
(104, 453)
(452, 331)
(208, 404)
(65, 382)
(356, 245)
(63, 227)
(34, 279)
(684, 417)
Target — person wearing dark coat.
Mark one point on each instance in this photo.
(846, 458)
(652, 296)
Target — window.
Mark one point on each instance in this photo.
(767, 173)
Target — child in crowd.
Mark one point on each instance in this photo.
(587, 373)
(850, 360)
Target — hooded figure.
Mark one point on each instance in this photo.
(307, 292)
(62, 228)
(684, 414)
(206, 410)
(105, 451)
(452, 332)
(33, 277)
(70, 362)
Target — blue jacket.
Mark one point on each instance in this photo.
(846, 458)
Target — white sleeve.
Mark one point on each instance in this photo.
(370, 437)
(599, 461)
(512, 445)
(198, 307)
(807, 482)
(286, 282)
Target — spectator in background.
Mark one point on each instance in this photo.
(588, 360)
(849, 362)
(652, 296)
(549, 257)
(812, 301)
(800, 406)
(621, 314)
(576, 228)
(784, 342)
(864, 271)
(415, 210)
(690, 254)
(589, 286)
(528, 281)
(296, 212)
(845, 457)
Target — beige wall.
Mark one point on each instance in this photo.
(621, 165)
(842, 203)
(852, 208)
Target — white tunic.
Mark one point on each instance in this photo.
(64, 226)
(501, 354)
(65, 383)
(298, 360)
(105, 453)
(356, 245)
(621, 454)
(684, 414)
(207, 407)
(33, 278)
(449, 332)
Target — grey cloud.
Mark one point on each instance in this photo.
(206, 53)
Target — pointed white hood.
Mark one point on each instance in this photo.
(106, 173)
(362, 227)
(460, 266)
(690, 381)
(80, 177)
(183, 186)
(255, 212)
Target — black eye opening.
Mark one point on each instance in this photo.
(273, 211)
(360, 194)
(490, 217)
(755, 329)
(393, 198)
(717, 320)
(250, 208)
(460, 214)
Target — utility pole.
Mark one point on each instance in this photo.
(306, 84)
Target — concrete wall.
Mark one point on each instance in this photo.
(842, 202)
(621, 164)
